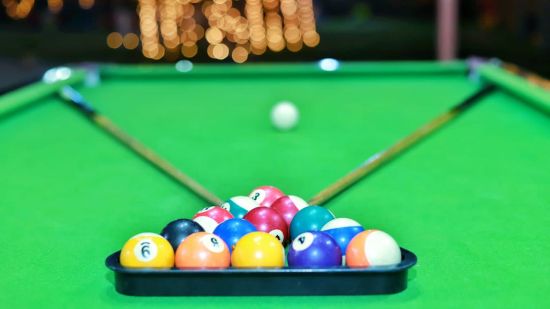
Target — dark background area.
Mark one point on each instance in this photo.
(517, 31)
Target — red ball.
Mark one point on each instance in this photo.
(210, 217)
(288, 206)
(266, 195)
(268, 220)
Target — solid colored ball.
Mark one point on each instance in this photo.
(314, 250)
(311, 218)
(210, 217)
(268, 220)
(232, 230)
(147, 250)
(372, 248)
(288, 206)
(284, 115)
(342, 230)
(258, 249)
(239, 205)
(176, 231)
(266, 195)
(203, 250)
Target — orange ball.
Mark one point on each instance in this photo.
(202, 250)
(372, 248)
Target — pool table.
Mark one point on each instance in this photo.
(472, 200)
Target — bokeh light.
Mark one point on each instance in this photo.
(254, 27)
(130, 41)
(114, 40)
(86, 4)
(171, 29)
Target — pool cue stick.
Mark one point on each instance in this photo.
(382, 157)
(531, 77)
(76, 100)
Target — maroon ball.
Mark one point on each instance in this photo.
(288, 206)
(210, 217)
(268, 220)
(215, 212)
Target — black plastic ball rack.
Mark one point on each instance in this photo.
(262, 281)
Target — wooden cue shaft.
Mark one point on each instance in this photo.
(529, 76)
(155, 159)
(140, 149)
(380, 158)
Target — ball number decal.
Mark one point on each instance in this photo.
(303, 241)
(145, 250)
(213, 243)
(258, 195)
(278, 234)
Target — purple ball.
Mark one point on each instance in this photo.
(314, 250)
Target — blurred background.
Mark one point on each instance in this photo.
(55, 32)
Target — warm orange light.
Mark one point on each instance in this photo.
(114, 40)
(130, 41)
(55, 6)
(18, 9)
(86, 4)
(172, 28)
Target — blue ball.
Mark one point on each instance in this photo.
(311, 218)
(232, 230)
(342, 230)
(314, 250)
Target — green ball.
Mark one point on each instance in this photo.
(310, 218)
(238, 206)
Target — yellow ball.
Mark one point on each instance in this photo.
(258, 249)
(147, 250)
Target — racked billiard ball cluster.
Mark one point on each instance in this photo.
(252, 232)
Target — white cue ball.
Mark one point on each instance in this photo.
(284, 115)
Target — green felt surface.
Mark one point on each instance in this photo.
(472, 201)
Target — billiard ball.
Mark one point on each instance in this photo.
(258, 249)
(147, 250)
(314, 250)
(268, 220)
(284, 115)
(239, 205)
(232, 230)
(342, 230)
(265, 195)
(210, 217)
(203, 250)
(311, 218)
(288, 206)
(176, 231)
(372, 248)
